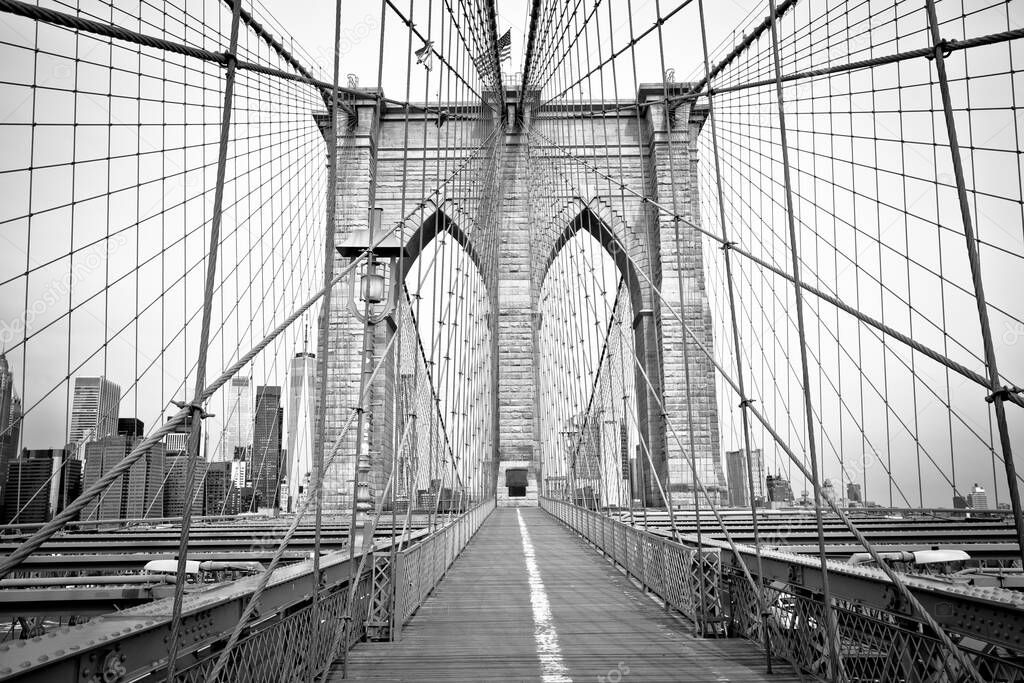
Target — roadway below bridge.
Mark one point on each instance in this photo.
(529, 600)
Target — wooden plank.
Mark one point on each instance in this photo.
(478, 625)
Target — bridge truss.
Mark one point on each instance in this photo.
(805, 251)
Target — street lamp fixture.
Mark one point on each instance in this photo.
(375, 286)
(372, 290)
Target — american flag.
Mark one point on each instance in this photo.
(425, 55)
(505, 46)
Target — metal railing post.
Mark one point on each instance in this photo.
(398, 617)
(663, 546)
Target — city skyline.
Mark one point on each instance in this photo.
(261, 475)
(43, 480)
(93, 392)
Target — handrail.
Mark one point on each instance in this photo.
(876, 628)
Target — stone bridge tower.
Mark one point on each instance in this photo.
(386, 158)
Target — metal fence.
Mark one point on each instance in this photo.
(402, 580)
(687, 578)
(282, 646)
(285, 646)
(877, 643)
(417, 570)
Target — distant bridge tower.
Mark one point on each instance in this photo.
(378, 146)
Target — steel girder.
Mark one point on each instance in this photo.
(50, 602)
(137, 637)
(992, 615)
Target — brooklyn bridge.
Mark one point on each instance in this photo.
(627, 340)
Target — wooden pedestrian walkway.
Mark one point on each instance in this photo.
(529, 600)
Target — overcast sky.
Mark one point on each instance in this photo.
(273, 220)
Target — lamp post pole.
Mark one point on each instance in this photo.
(570, 470)
(371, 291)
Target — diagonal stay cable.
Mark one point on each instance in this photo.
(50, 16)
(253, 601)
(69, 513)
(195, 411)
(893, 577)
(959, 368)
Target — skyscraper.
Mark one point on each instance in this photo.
(6, 393)
(10, 421)
(176, 443)
(100, 457)
(779, 490)
(40, 484)
(174, 489)
(264, 471)
(736, 464)
(10, 433)
(853, 492)
(977, 498)
(131, 426)
(94, 408)
(238, 423)
(301, 406)
(12, 428)
(136, 494)
(217, 489)
(239, 471)
(145, 482)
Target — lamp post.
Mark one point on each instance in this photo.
(570, 470)
(378, 301)
(608, 463)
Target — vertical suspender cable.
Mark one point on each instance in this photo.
(196, 411)
(737, 346)
(832, 626)
(998, 393)
(323, 343)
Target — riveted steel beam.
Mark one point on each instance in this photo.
(138, 636)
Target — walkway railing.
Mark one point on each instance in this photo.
(287, 639)
(403, 580)
(685, 577)
(880, 640)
